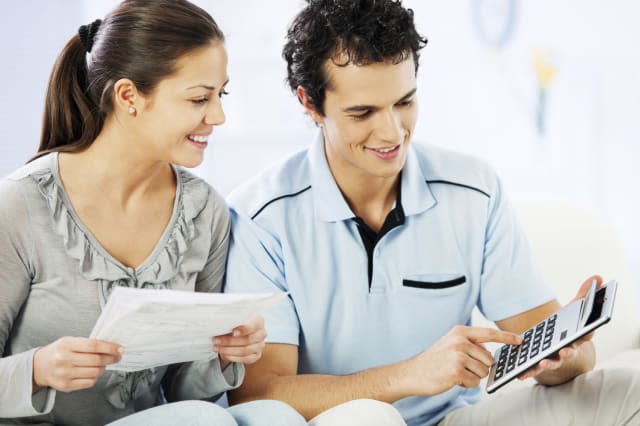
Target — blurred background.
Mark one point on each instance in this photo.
(547, 92)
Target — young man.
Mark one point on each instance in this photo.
(385, 247)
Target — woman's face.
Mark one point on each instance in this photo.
(177, 119)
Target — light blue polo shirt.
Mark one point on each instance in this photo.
(459, 246)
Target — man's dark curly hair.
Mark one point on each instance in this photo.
(359, 32)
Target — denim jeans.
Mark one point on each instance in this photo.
(200, 413)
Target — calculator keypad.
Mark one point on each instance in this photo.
(535, 339)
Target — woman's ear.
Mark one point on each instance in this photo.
(304, 99)
(127, 99)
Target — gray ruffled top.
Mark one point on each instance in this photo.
(55, 278)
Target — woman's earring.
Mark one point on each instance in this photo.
(132, 110)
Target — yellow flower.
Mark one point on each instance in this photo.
(544, 69)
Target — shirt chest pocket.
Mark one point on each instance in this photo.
(434, 284)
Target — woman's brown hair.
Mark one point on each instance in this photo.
(140, 40)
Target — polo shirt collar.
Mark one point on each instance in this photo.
(329, 203)
(416, 195)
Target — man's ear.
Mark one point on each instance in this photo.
(304, 99)
(126, 97)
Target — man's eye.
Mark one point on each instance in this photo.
(405, 103)
(362, 116)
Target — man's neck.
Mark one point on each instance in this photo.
(370, 197)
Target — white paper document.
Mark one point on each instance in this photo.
(161, 327)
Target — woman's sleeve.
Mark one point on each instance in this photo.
(16, 371)
(204, 379)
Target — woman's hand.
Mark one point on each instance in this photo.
(72, 363)
(244, 344)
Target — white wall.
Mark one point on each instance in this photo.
(32, 33)
(474, 97)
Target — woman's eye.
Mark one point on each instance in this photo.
(223, 93)
(200, 101)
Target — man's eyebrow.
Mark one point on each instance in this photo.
(361, 108)
(204, 86)
(408, 95)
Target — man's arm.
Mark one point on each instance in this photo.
(572, 361)
(458, 358)
(274, 377)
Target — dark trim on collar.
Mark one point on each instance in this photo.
(460, 185)
(370, 238)
(278, 198)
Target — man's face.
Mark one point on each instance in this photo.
(370, 114)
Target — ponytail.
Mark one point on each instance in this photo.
(71, 119)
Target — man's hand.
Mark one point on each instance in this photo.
(244, 344)
(73, 363)
(569, 357)
(456, 359)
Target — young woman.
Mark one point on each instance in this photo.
(104, 204)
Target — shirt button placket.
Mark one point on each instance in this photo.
(375, 283)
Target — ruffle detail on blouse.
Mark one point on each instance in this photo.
(157, 271)
(94, 266)
(195, 196)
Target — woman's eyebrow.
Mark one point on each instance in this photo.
(204, 86)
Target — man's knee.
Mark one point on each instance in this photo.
(360, 412)
(267, 413)
(621, 387)
(608, 396)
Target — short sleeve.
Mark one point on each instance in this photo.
(255, 265)
(510, 282)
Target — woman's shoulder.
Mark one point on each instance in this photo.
(15, 185)
(200, 199)
(17, 192)
(37, 167)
